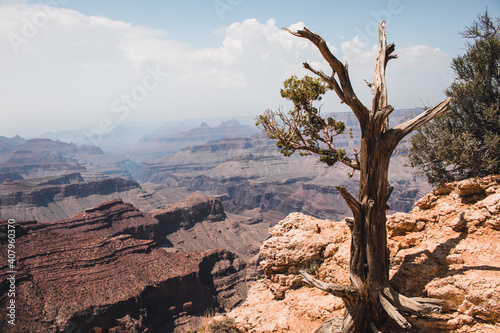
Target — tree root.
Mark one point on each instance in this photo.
(393, 312)
(335, 325)
(332, 288)
(411, 304)
(393, 302)
(330, 326)
(390, 300)
(348, 324)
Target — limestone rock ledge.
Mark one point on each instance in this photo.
(448, 247)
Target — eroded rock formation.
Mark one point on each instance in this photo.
(199, 222)
(185, 213)
(447, 248)
(105, 268)
(60, 197)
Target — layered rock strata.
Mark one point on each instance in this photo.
(185, 213)
(199, 222)
(60, 197)
(104, 268)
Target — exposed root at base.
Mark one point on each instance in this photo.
(391, 301)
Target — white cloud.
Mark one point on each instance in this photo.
(223, 78)
(406, 75)
(422, 55)
(353, 47)
(68, 70)
(72, 68)
(297, 26)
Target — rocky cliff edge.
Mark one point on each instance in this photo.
(447, 248)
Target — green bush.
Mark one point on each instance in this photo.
(465, 143)
(227, 325)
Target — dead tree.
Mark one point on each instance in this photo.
(369, 300)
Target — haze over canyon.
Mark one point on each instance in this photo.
(152, 230)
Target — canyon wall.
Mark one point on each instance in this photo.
(59, 197)
(105, 267)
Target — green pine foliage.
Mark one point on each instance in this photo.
(303, 128)
(466, 142)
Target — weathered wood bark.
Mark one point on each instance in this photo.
(370, 299)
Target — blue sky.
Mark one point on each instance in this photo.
(91, 65)
(190, 20)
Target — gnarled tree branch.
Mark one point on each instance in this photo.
(346, 92)
(380, 108)
(291, 133)
(328, 79)
(396, 134)
(351, 201)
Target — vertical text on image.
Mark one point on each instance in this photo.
(11, 273)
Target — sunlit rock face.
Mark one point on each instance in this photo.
(448, 247)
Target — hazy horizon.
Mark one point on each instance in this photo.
(91, 66)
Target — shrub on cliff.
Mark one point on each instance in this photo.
(465, 143)
(226, 325)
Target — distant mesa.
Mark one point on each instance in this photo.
(9, 177)
(58, 197)
(230, 123)
(16, 140)
(204, 133)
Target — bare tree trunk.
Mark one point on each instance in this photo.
(370, 299)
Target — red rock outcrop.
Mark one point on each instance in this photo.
(199, 222)
(185, 213)
(109, 219)
(447, 248)
(103, 268)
